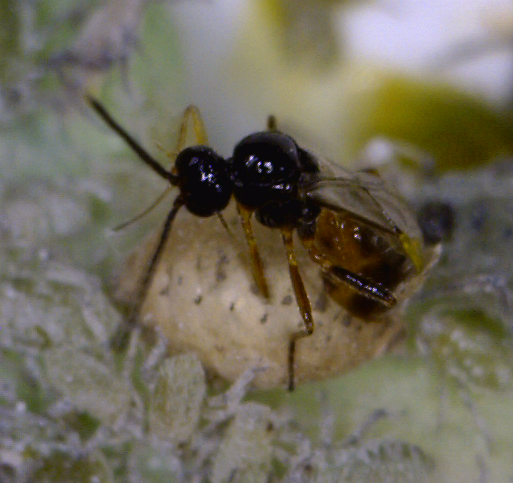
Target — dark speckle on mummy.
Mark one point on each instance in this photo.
(198, 299)
(263, 320)
(165, 291)
(232, 307)
(179, 280)
(321, 304)
(346, 320)
(220, 268)
(287, 300)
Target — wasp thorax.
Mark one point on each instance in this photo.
(203, 180)
(265, 167)
(294, 213)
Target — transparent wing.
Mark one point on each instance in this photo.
(364, 194)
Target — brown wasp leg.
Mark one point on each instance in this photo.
(256, 262)
(303, 303)
(356, 282)
(362, 285)
(120, 339)
(192, 113)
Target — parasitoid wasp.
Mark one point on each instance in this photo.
(363, 236)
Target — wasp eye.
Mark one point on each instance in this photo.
(203, 180)
(265, 167)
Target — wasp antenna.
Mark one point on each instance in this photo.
(143, 213)
(141, 152)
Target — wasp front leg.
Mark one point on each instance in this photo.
(256, 261)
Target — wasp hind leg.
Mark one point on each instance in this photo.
(303, 303)
(340, 276)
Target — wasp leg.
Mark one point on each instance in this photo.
(191, 114)
(303, 303)
(121, 337)
(362, 285)
(356, 282)
(256, 262)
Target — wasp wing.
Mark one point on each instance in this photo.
(364, 194)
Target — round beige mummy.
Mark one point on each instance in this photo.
(204, 299)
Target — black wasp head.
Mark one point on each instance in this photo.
(265, 167)
(203, 179)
